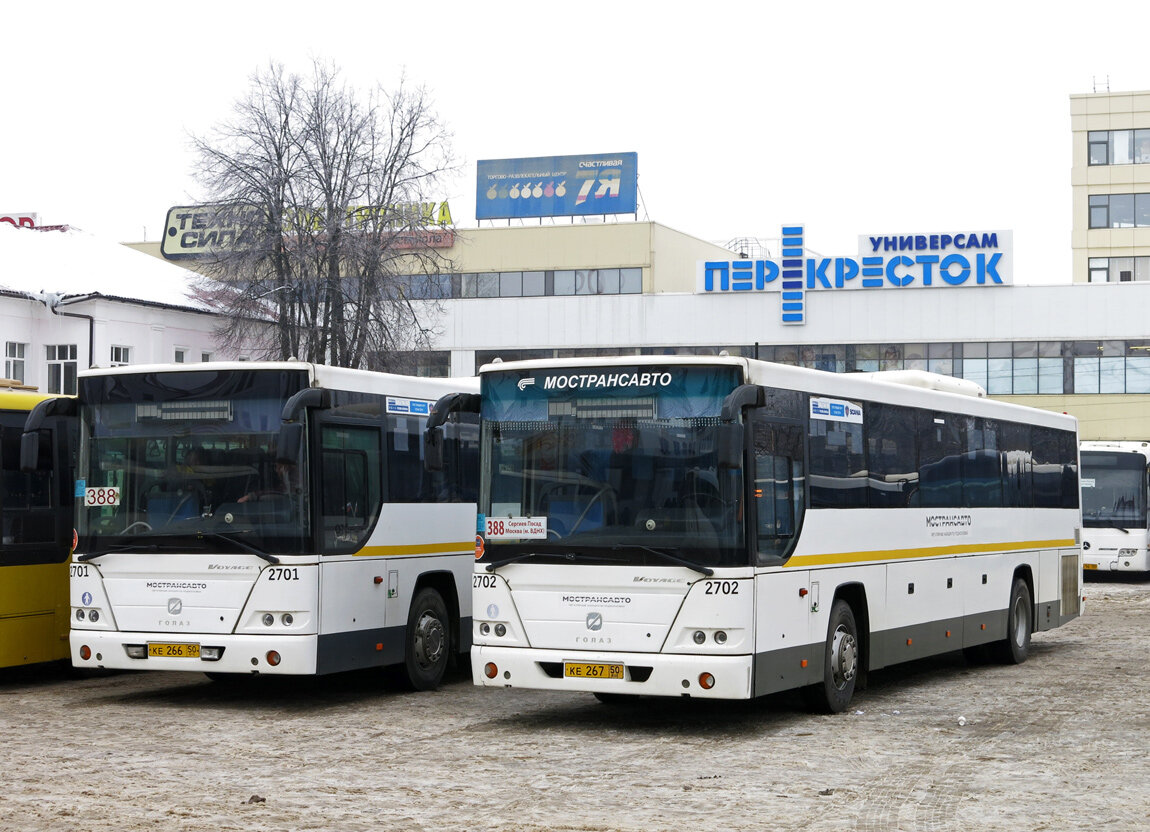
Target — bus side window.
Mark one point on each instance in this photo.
(778, 489)
(352, 469)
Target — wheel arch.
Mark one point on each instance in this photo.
(1024, 571)
(443, 582)
(855, 595)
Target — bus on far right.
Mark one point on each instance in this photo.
(1114, 486)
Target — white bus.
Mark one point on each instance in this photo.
(727, 528)
(1114, 485)
(269, 518)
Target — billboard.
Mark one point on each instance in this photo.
(557, 186)
(200, 231)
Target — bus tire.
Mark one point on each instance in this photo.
(427, 642)
(1015, 648)
(840, 663)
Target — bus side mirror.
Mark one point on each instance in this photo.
(289, 443)
(30, 457)
(433, 449)
(729, 445)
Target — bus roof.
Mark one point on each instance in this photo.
(319, 375)
(20, 399)
(1120, 446)
(909, 388)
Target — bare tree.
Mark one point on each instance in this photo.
(325, 189)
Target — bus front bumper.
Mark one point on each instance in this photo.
(201, 652)
(639, 674)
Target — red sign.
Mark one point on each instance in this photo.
(20, 219)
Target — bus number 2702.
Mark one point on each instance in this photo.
(722, 588)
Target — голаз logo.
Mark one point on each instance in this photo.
(899, 261)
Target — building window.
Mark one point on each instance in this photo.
(205, 357)
(534, 284)
(630, 281)
(120, 355)
(61, 368)
(179, 355)
(1119, 211)
(1098, 142)
(510, 284)
(1118, 147)
(14, 360)
(1119, 269)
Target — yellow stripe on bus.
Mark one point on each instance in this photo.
(931, 552)
(465, 547)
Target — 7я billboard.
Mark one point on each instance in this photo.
(557, 186)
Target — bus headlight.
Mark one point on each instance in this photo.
(79, 615)
(720, 637)
(269, 619)
(699, 637)
(93, 616)
(287, 618)
(500, 630)
(485, 628)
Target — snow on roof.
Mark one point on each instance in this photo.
(70, 262)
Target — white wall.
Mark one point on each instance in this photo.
(152, 333)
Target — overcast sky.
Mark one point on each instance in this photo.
(852, 118)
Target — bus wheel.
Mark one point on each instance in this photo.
(428, 640)
(1016, 646)
(840, 663)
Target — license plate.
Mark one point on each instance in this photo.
(173, 651)
(586, 670)
(1090, 566)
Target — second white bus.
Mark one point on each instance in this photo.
(727, 528)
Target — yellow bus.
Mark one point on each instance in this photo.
(35, 539)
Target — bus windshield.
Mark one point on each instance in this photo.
(186, 461)
(1113, 490)
(609, 466)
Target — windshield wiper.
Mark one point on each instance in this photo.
(495, 564)
(666, 555)
(247, 547)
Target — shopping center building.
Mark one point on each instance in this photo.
(952, 301)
